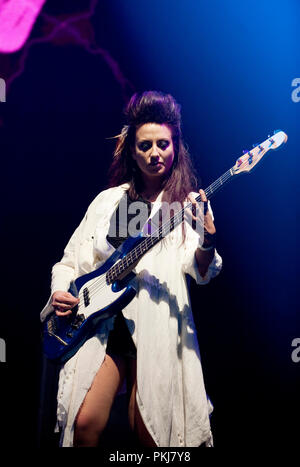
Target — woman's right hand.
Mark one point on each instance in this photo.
(63, 302)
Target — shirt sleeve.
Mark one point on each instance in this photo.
(66, 270)
(63, 272)
(189, 262)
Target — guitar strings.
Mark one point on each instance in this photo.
(101, 282)
(134, 254)
(179, 216)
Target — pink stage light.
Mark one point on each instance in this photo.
(17, 18)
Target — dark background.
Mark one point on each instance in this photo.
(230, 65)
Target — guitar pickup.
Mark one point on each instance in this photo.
(86, 297)
(78, 320)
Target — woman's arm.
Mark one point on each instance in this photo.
(63, 272)
(204, 258)
(206, 252)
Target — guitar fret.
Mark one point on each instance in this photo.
(142, 248)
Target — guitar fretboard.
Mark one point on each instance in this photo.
(150, 240)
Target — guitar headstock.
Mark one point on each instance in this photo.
(249, 160)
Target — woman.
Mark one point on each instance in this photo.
(153, 341)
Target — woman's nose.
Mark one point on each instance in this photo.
(154, 158)
(154, 151)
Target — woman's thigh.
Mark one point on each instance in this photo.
(94, 412)
(135, 419)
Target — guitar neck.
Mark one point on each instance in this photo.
(137, 252)
(216, 185)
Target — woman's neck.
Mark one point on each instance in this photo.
(151, 189)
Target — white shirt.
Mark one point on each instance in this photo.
(170, 394)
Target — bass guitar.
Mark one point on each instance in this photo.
(106, 290)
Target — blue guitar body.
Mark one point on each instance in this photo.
(99, 299)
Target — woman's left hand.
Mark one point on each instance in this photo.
(205, 253)
(208, 223)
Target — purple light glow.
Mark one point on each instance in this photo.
(18, 18)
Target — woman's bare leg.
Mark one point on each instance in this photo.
(94, 413)
(135, 418)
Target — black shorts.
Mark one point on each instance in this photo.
(120, 342)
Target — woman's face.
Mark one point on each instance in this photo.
(153, 150)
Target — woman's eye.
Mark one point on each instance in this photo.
(144, 146)
(163, 144)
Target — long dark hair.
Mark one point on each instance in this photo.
(153, 107)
